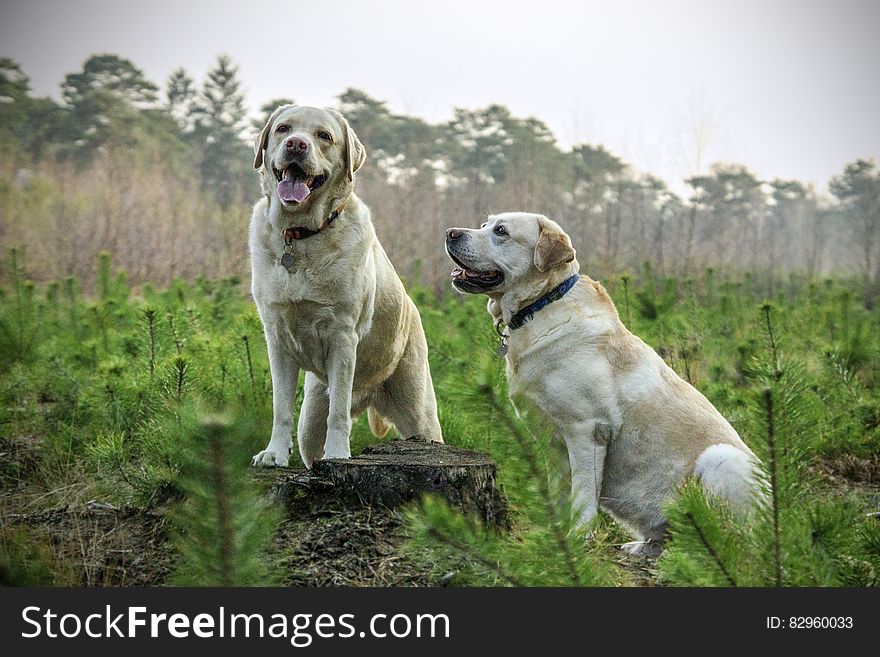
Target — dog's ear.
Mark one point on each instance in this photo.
(355, 153)
(262, 139)
(553, 248)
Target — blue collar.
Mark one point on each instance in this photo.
(525, 314)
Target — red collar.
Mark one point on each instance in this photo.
(301, 232)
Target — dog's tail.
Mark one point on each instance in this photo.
(379, 426)
(731, 474)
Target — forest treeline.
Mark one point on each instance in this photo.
(162, 180)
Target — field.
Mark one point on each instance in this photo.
(112, 404)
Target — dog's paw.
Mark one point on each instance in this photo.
(337, 445)
(270, 459)
(643, 548)
(337, 452)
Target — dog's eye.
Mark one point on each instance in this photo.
(282, 128)
(500, 229)
(326, 136)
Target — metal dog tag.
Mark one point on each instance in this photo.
(502, 344)
(287, 261)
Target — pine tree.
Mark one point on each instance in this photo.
(220, 120)
(858, 190)
(223, 525)
(544, 547)
(180, 100)
(393, 141)
(106, 103)
(111, 74)
(221, 101)
(793, 537)
(14, 87)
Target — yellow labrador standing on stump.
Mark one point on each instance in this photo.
(329, 298)
(634, 430)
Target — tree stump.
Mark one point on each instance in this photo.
(394, 473)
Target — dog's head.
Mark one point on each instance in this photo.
(306, 153)
(512, 252)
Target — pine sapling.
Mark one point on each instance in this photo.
(772, 466)
(545, 546)
(178, 341)
(777, 370)
(104, 275)
(150, 316)
(525, 444)
(710, 550)
(19, 331)
(180, 367)
(223, 525)
(71, 288)
(250, 365)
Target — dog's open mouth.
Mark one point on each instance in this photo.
(469, 280)
(295, 185)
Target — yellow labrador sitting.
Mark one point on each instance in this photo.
(329, 298)
(633, 429)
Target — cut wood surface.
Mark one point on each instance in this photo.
(400, 471)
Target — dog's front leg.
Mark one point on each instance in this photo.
(340, 378)
(285, 374)
(586, 456)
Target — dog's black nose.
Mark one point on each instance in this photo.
(453, 233)
(297, 144)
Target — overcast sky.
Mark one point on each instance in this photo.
(788, 87)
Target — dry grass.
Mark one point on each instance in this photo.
(864, 472)
(157, 224)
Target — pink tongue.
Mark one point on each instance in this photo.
(294, 191)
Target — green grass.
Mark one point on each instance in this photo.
(114, 387)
